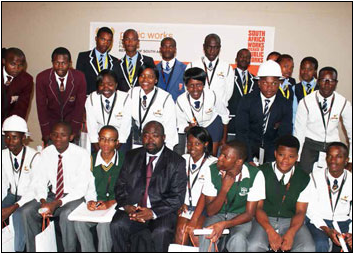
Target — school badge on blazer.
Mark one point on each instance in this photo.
(119, 115)
(158, 113)
(209, 111)
(243, 191)
(221, 75)
(72, 99)
(26, 169)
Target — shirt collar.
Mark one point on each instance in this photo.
(339, 179)
(200, 99)
(149, 95)
(134, 58)
(100, 161)
(241, 72)
(98, 54)
(244, 173)
(321, 98)
(279, 174)
(6, 74)
(158, 154)
(263, 98)
(312, 83)
(19, 156)
(198, 163)
(57, 77)
(111, 98)
(171, 63)
(65, 152)
(207, 61)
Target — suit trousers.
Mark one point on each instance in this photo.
(310, 154)
(162, 231)
(33, 223)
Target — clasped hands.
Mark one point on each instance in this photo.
(139, 214)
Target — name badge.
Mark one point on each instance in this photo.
(209, 111)
(158, 113)
(261, 156)
(119, 115)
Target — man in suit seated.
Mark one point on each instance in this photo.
(149, 191)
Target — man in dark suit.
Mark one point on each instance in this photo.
(149, 191)
(132, 61)
(244, 83)
(60, 95)
(263, 116)
(94, 61)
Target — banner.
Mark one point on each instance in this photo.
(190, 38)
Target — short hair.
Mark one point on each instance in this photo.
(168, 38)
(202, 135)
(60, 51)
(148, 66)
(15, 51)
(213, 35)
(156, 124)
(284, 57)
(110, 127)
(239, 147)
(331, 69)
(106, 72)
(63, 124)
(131, 30)
(194, 73)
(338, 144)
(273, 53)
(288, 141)
(104, 30)
(243, 49)
(311, 60)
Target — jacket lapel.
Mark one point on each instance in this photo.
(161, 164)
(110, 62)
(139, 63)
(93, 62)
(53, 85)
(237, 83)
(70, 85)
(251, 82)
(124, 70)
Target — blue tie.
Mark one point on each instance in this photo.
(16, 165)
(131, 66)
(197, 104)
(335, 185)
(324, 105)
(193, 167)
(167, 68)
(101, 62)
(144, 101)
(107, 106)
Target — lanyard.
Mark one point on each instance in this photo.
(323, 116)
(111, 110)
(170, 77)
(105, 63)
(110, 177)
(20, 170)
(330, 194)
(131, 77)
(195, 179)
(285, 192)
(304, 91)
(141, 120)
(230, 203)
(214, 70)
(194, 120)
(283, 92)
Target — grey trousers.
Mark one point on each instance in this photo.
(236, 241)
(33, 224)
(258, 240)
(310, 154)
(85, 236)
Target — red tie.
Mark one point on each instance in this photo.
(9, 79)
(149, 171)
(62, 88)
(59, 180)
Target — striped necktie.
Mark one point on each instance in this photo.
(243, 79)
(324, 105)
(131, 66)
(9, 79)
(101, 62)
(144, 101)
(266, 114)
(308, 87)
(62, 87)
(59, 180)
(107, 106)
(167, 69)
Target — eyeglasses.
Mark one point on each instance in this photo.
(324, 80)
(102, 139)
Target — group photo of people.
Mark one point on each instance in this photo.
(142, 155)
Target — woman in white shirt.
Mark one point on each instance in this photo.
(198, 161)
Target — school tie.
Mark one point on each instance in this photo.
(107, 106)
(266, 114)
(149, 171)
(243, 79)
(308, 87)
(59, 180)
(335, 185)
(197, 104)
(324, 105)
(62, 87)
(16, 165)
(131, 66)
(210, 66)
(9, 79)
(282, 180)
(101, 62)
(193, 167)
(144, 101)
(167, 69)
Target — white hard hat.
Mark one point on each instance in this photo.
(269, 68)
(15, 123)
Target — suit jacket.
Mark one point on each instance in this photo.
(238, 93)
(16, 97)
(87, 63)
(176, 83)
(249, 121)
(52, 107)
(299, 93)
(123, 74)
(167, 186)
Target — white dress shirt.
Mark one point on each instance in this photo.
(5, 75)
(58, 80)
(263, 98)
(170, 63)
(240, 71)
(309, 123)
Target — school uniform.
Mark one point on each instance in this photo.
(249, 185)
(310, 129)
(159, 107)
(286, 88)
(88, 63)
(283, 192)
(220, 77)
(75, 165)
(322, 211)
(127, 81)
(114, 111)
(243, 84)
(19, 171)
(257, 130)
(105, 176)
(171, 77)
(208, 112)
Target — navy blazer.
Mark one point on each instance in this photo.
(123, 74)
(167, 186)
(249, 121)
(176, 84)
(87, 63)
(299, 93)
(291, 92)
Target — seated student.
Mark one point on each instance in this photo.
(108, 106)
(60, 184)
(201, 107)
(287, 86)
(105, 167)
(18, 166)
(273, 56)
(198, 161)
(331, 199)
(152, 103)
(232, 189)
(280, 217)
(264, 116)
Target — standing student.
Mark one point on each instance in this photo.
(60, 185)
(219, 74)
(318, 118)
(105, 167)
(273, 56)
(201, 107)
(94, 61)
(152, 103)
(264, 116)
(198, 162)
(60, 95)
(331, 199)
(18, 165)
(286, 88)
(131, 62)
(244, 83)
(108, 106)
(171, 71)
